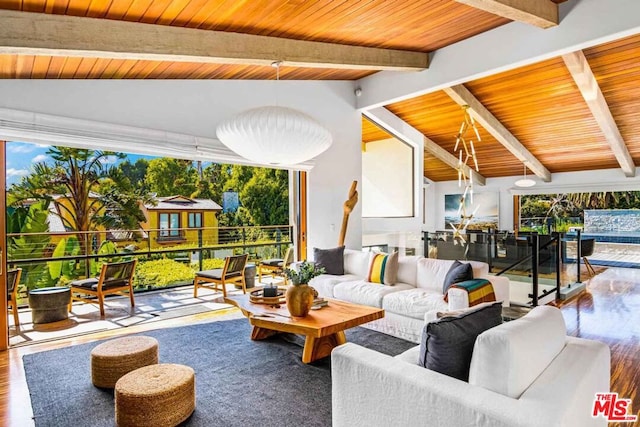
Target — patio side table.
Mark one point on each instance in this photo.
(49, 304)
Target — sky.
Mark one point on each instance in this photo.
(22, 155)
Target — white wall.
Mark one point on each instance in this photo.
(195, 107)
(568, 182)
(387, 179)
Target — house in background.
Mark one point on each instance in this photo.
(177, 220)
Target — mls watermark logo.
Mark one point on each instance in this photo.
(613, 408)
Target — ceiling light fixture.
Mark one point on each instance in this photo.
(466, 152)
(525, 182)
(274, 135)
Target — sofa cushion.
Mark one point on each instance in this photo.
(383, 268)
(458, 272)
(324, 283)
(480, 269)
(447, 343)
(408, 269)
(502, 360)
(356, 262)
(332, 260)
(431, 273)
(365, 293)
(413, 302)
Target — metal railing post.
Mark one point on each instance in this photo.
(558, 238)
(200, 261)
(578, 254)
(244, 239)
(87, 267)
(535, 248)
(425, 244)
(278, 242)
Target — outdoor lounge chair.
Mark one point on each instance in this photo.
(275, 267)
(115, 278)
(232, 272)
(13, 280)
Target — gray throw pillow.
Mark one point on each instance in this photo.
(458, 272)
(447, 343)
(331, 259)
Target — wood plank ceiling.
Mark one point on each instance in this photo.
(539, 104)
(421, 26)
(542, 106)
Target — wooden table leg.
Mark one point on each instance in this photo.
(259, 333)
(317, 348)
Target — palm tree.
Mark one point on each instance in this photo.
(76, 174)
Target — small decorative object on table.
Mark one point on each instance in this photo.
(300, 295)
(270, 291)
(258, 297)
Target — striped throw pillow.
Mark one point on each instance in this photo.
(383, 268)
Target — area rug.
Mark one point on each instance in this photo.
(239, 382)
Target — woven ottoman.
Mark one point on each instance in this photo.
(112, 359)
(161, 395)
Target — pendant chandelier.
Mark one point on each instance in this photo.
(466, 153)
(274, 135)
(525, 182)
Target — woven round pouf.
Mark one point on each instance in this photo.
(161, 395)
(112, 359)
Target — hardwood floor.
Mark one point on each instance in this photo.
(609, 312)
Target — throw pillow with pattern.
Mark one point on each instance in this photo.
(383, 268)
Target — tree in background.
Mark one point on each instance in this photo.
(133, 174)
(171, 177)
(75, 174)
(266, 196)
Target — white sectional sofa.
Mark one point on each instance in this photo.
(416, 295)
(523, 373)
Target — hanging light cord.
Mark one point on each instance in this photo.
(276, 65)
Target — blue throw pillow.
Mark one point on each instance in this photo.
(458, 272)
(447, 344)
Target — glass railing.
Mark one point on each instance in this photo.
(531, 261)
(166, 258)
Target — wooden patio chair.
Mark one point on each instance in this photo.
(275, 267)
(115, 278)
(232, 272)
(13, 280)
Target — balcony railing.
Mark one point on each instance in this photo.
(165, 258)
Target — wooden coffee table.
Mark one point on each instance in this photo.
(323, 329)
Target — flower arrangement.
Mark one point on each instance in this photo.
(303, 273)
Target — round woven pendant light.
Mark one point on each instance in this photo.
(274, 135)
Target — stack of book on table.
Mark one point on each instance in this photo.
(319, 302)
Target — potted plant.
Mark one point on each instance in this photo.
(299, 294)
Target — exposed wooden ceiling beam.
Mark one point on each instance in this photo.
(405, 132)
(461, 95)
(585, 23)
(443, 155)
(541, 13)
(588, 85)
(45, 34)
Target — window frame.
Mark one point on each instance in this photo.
(195, 214)
(169, 232)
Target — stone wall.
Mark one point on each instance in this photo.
(612, 221)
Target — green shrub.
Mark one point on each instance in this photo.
(210, 264)
(161, 273)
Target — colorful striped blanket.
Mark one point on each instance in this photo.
(478, 290)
